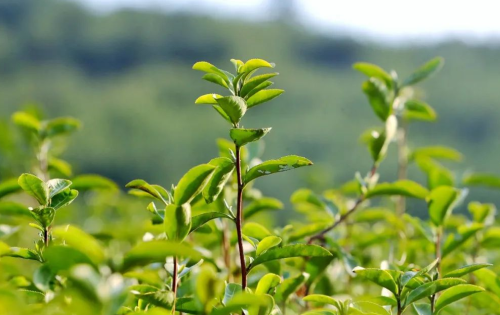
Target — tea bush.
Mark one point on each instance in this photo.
(205, 245)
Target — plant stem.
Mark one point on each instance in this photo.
(438, 265)
(400, 309)
(239, 212)
(402, 162)
(346, 215)
(46, 237)
(174, 284)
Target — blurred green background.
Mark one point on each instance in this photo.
(127, 75)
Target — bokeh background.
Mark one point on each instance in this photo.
(124, 68)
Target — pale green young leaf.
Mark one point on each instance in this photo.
(462, 271)
(267, 243)
(256, 230)
(27, 121)
(192, 183)
(214, 78)
(436, 152)
(34, 187)
(177, 221)
(80, 240)
(322, 299)
(406, 188)
(57, 185)
(258, 88)
(418, 110)
(378, 276)
(146, 187)
(365, 307)
(425, 71)
(208, 99)
(481, 179)
(254, 82)
(440, 203)
(230, 291)
(267, 284)
(482, 212)
(463, 234)
(93, 182)
(262, 204)
(44, 216)
(60, 126)
(254, 64)
(9, 186)
(201, 219)
(372, 70)
(210, 68)
(422, 309)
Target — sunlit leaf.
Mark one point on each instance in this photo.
(192, 183)
(282, 164)
(406, 188)
(263, 96)
(379, 277)
(243, 136)
(298, 250)
(454, 294)
(34, 187)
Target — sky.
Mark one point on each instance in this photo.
(388, 20)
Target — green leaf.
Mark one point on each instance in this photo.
(378, 276)
(24, 253)
(482, 212)
(4, 249)
(255, 230)
(214, 78)
(436, 152)
(242, 136)
(210, 68)
(9, 208)
(237, 64)
(92, 181)
(454, 294)
(378, 142)
(60, 166)
(8, 187)
(267, 243)
(34, 187)
(463, 234)
(216, 183)
(61, 257)
(440, 202)
(151, 295)
(282, 164)
(308, 230)
(208, 99)
(262, 204)
(290, 286)
(157, 251)
(144, 186)
(27, 121)
(222, 113)
(177, 221)
(406, 188)
(431, 288)
(258, 88)
(63, 198)
(201, 219)
(192, 183)
(370, 308)
(230, 291)
(425, 71)
(254, 64)
(371, 70)
(418, 110)
(57, 185)
(254, 82)
(267, 284)
(263, 96)
(78, 239)
(188, 305)
(297, 250)
(479, 179)
(462, 271)
(323, 299)
(376, 92)
(255, 304)
(60, 126)
(422, 309)
(409, 275)
(45, 216)
(234, 107)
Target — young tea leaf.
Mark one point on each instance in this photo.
(263, 96)
(275, 166)
(440, 202)
(177, 221)
(216, 183)
(34, 187)
(425, 71)
(243, 136)
(454, 294)
(298, 250)
(192, 183)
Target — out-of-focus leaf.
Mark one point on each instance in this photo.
(9, 186)
(201, 219)
(436, 152)
(92, 181)
(440, 202)
(34, 187)
(371, 70)
(60, 126)
(418, 110)
(462, 271)
(480, 179)
(454, 294)
(267, 284)
(463, 234)
(267, 243)
(406, 188)
(425, 71)
(262, 204)
(78, 239)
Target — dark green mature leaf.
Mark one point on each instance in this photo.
(463, 234)
(462, 271)
(210, 68)
(436, 152)
(177, 221)
(242, 136)
(267, 243)
(263, 96)
(298, 250)
(9, 208)
(208, 99)
(254, 64)
(262, 204)
(63, 198)
(267, 284)
(454, 294)
(418, 110)
(9, 186)
(371, 70)
(440, 202)
(282, 164)
(27, 121)
(201, 219)
(34, 187)
(235, 107)
(222, 113)
(78, 239)
(157, 251)
(376, 91)
(254, 82)
(480, 179)
(430, 288)
(378, 276)
(216, 183)
(422, 309)
(425, 71)
(92, 181)
(60, 126)
(406, 188)
(290, 286)
(192, 183)
(57, 185)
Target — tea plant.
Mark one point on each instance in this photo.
(208, 247)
